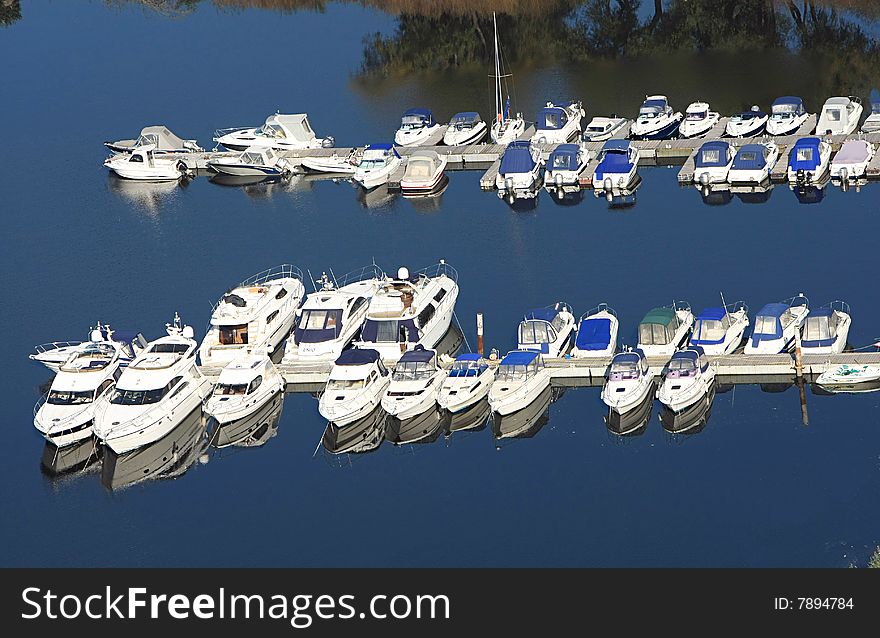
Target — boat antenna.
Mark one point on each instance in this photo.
(499, 110)
(723, 305)
(312, 279)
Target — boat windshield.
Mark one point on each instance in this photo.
(139, 397)
(696, 116)
(320, 319)
(709, 330)
(368, 164)
(536, 332)
(462, 123)
(833, 115)
(345, 384)
(466, 369)
(230, 389)
(710, 156)
(254, 159)
(805, 154)
(765, 326)
(412, 371)
(270, 130)
(650, 110)
(411, 123)
(95, 357)
(681, 367)
(510, 372)
(233, 335)
(169, 348)
(653, 334)
(149, 138)
(598, 128)
(621, 370)
(817, 328)
(69, 397)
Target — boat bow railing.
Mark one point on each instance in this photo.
(43, 348)
(602, 307)
(838, 306)
(220, 132)
(440, 268)
(270, 274)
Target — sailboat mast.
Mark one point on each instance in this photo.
(498, 106)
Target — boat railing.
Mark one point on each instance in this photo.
(360, 274)
(736, 306)
(66, 419)
(602, 307)
(270, 274)
(220, 132)
(838, 306)
(55, 345)
(39, 403)
(799, 299)
(677, 305)
(440, 268)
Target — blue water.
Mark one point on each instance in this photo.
(754, 488)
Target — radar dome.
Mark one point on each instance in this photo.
(187, 332)
(95, 335)
(403, 273)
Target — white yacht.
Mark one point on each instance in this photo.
(377, 165)
(872, 122)
(597, 333)
(747, 124)
(465, 128)
(244, 387)
(720, 330)
(713, 161)
(155, 393)
(54, 354)
(618, 166)
(424, 173)
(520, 168)
(506, 128)
(656, 121)
(520, 379)
(467, 383)
(629, 383)
(163, 140)
(826, 329)
(254, 161)
(410, 309)
(558, 124)
(280, 132)
(415, 382)
(808, 160)
(600, 129)
(145, 165)
(257, 313)
(839, 116)
(687, 380)
(355, 386)
(565, 164)
(776, 326)
(65, 415)
(664, 329)
(698, 120)
(787, 115)
(753, 163)
(851, 161)
(416, 127)
(331, 317)
(549, 330)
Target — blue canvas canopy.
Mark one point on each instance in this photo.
(875, 101)
(633, 356)
(770, 313)
(465, 117)
(382, 146)
(551, 118)
(517, 158)
(468, 356)
(788, 104)
(417, 355)
(518, 358)
(564, 157)
(357, 357)
(708, 314)
(467, 370)
(750, 157)
(805, 154)
(424, 114)
(615, 159)
(370, 331)
(594, 334)
(712, 314)
(715, 153)
(542, 314)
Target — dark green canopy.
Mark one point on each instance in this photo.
(661, 316)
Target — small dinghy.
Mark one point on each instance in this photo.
(776, 326)
(520, 379)
(144, 165)
(753, 163)
(713, 161)
(629, 382)
(596, 334)
(377, 165)
(664, 329)
(720, 330)
(520, 168)
(465, 128)
(850, 378)
(808, 160)
(687, 380)
(335, 164)
(467, 383)
(424, 173)
(787, 115)
(163, 141)
(564, 165)
(872, 122)
(851, 161)
(826, 329)
(416, 127)
(415, 382)
(698, 120)
(255, 161)
(549, 330)
(618, 165)
(355, 386)
(558, 124)
(604, 128)
(747, 124)
(282, 132)
(840, 116)
(656, 120)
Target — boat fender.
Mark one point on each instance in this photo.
(182, 167)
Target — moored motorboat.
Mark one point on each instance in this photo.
(596, 333)
(747, 124)
(656, 121)
(600, 129)
(335, 164)
(416, 127)
(415, 382)
(354, 387)
(617, 167)
(163, 141)
(520, 379)
(629, 382)
(851, 161)
(144, 165)
(558, 124)
(665, 328)
(424, 173)
(280, 132)
(713, 161)
(465, 128)
(253, 161)
(776, 326)
(787, 115)
(690, 420)
(549, 330)
(377, 165)
(720, 330)
(698, 120)
(872, 122)
(839, 116)
(808, 160)
(564, 165)
(258, 313)
(520, 168)
(851, 377)
(244, 387)
(54, 354)
(468, 382)
(687, 379)
(753, 163)
(826, 329)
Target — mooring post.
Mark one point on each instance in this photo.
(480, 333)
(799, 373)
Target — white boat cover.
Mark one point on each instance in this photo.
(853, 152)
(422, 165)
(296, 126)
(161, 137)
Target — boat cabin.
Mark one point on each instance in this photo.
(464, 121)
(551, 118)
(821, 325)
(628, 365)
(771, 321)
(659, 327)
(519, 366)
(697, 112)
(539, 328)
(654, 106)
(711, 327)
(468, 365)
(787, 107)
(355, 369)
(517, 158)
(751, 157)
(415, 365)
(687, 363)
(422, 165)
(805, 154)
(416, 118)
(565, 157)
(715, 154)
(242, 377)
(377, 155)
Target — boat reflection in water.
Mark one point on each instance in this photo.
(632, 422)
(757, 194)
(851, 388)
(168, 457)
(813, 192)
(715, 194)
(566, 195)
(364, 435)
(429, 202)
(522, 200)
(527, 422)
(149, 198)
(376, 198)
(473, 419)
(690, 420)
(69, 459)
(620, 198)
(423, 428)
(251, 431)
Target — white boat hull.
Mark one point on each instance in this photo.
(375, 177)
(458, 394)
(352, 408)
(623, 396)
(678, 397)
(690, 129)
(415, 137)
(506, 397)
(786, 127)
(511, 130)
(462, 138)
